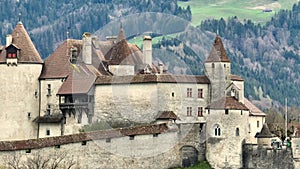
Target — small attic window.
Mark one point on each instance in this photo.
(74, 55)
(11, 55)
(11, 51)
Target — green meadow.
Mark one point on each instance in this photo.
(249, 9)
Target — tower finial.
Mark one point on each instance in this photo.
(19, 17)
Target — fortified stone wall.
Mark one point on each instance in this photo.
(120, 148)
(259, 157)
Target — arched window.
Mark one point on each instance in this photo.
(237, 132)
(217, 130)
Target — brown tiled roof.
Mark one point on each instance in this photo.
(265, 132)
(217, 52)
(28, 52)
(55, 118)
(77, 138)
(236, 78)
(167, 115)
(58, 64)
(79, 81)
(227, 103)
(254, 111)
(151, 78)
(119, 54)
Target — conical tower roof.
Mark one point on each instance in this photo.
(21, 39)
(218, 52)
(121, 35)
(265, 132)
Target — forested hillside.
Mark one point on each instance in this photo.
(49, 21)
(267, 56)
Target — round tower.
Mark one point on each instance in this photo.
(20, 66)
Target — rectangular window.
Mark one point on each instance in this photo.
(131, 137)
(108, 140)
(226, 111)
(200, 93)
(189, 111)
(49, 90)
(257, 123)
(200, 111)
(83, 143)
(48, 132)
(48, 109)
(189, 92)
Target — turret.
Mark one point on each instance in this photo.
(217, 67)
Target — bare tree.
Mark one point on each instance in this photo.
(39, 161)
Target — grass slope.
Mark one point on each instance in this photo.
(250, 9)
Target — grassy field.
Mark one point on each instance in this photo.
(201, 165)
(250, 9)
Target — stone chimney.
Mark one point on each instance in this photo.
(161, 68)
(147, 50)
(8, 39)
(87, 48)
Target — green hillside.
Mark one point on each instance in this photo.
(250, 9)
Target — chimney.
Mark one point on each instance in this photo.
(87, 48)
(147, 50)
(161, 68)
(8, 40)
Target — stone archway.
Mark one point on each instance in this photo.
(189, 156)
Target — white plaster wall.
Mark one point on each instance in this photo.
(52, 99)
(253, 129)
(55, 129)
(226, 150)
(121, 70)
(18, 85)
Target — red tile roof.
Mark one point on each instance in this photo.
(236, 78)
(151, 78)
(217, 52)
(58, 65)
(77, 138)
(28, 52)
(79, 81)
(227, 103)
(254, 111)
(167, 115)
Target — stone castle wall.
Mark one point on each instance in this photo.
(132, 101)
(259, 157)
(98, 150)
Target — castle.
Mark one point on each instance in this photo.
(87, 81)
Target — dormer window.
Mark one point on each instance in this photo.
(12, 51)
(74, 55)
